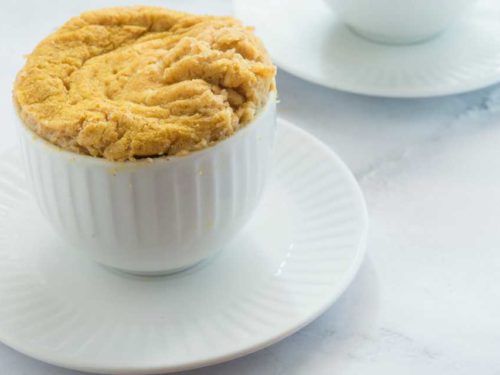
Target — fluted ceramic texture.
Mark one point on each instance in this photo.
(157, 215)
(294, 258)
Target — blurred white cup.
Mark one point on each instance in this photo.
(399, 21)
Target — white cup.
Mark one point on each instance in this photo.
(399, 21)
(157, 216)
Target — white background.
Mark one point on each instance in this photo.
(427, 299)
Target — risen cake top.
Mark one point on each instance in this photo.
(124, 83)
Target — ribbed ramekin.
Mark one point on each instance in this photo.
(152, 216)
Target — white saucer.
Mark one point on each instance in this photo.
(306, 40)
(299, 252)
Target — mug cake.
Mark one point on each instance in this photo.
(147, 133)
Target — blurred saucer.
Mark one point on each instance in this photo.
(305, 39)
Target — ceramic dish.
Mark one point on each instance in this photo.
(298, 253)
(308, 41)
(157, 215)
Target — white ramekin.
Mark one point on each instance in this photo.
(152, 216)
(399, 21)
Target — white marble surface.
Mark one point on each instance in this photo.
(427, 299)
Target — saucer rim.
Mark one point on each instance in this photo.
(390, 94)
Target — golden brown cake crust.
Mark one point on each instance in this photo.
(124, 83)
